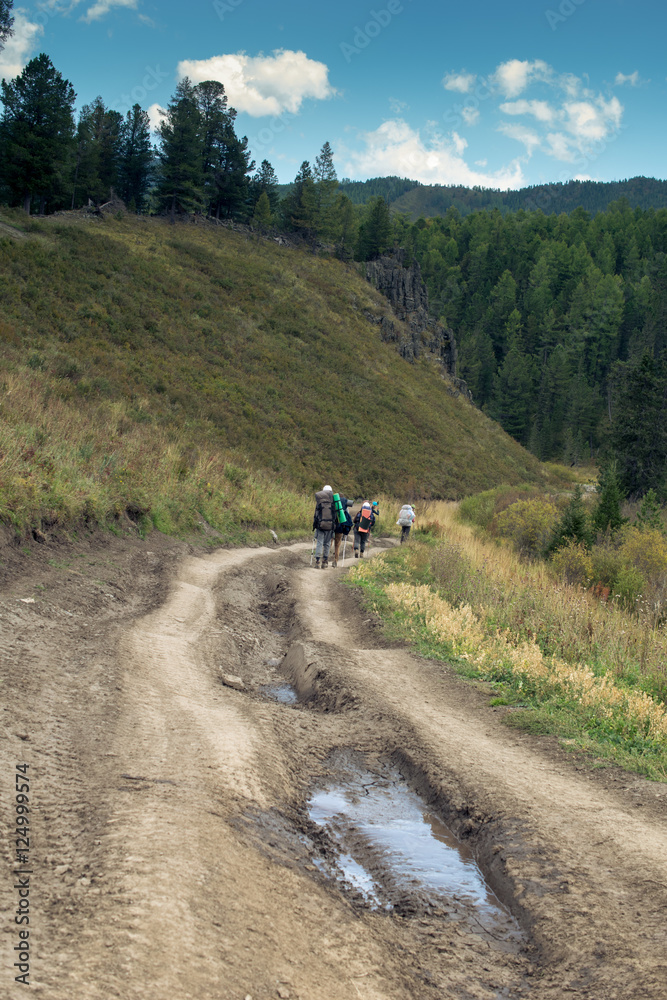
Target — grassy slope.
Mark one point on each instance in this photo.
(148, 365)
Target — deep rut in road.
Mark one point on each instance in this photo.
(202, 868)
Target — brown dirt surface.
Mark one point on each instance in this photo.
(172, 853)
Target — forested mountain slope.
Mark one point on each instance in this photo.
(199, 343)
(547, 310)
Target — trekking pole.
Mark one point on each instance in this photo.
(344, 544)
(312, 551)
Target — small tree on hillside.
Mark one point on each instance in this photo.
(573, 525)
(649, 514)
(261, 218)
(607, 514)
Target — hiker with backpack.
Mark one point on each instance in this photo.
(364, 520)
(324, 523)
(406, 518)
(343, 522)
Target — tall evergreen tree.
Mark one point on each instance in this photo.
(6, 21)
(261, 218)
(346, 235)
(181, 180)
(98, 152)
(136, 159)
(512, 391)
(326, 187)
(37, 131)
(265, 180)
(639, 423)
(225, 158)
(300, 206)
(375, 232)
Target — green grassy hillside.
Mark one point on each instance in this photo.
(185, 372)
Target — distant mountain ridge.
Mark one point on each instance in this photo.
(429, 200)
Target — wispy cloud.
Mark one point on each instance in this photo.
(264, 85)
(462, 82)
(102, 7)
(513, 76)
(631, 78)
(20, 46)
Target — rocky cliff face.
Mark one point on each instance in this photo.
(406, 291)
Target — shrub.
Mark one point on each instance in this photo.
(646, 551)
(479, 509)
(529, 524)
(607, 563)
(574, 563)
(630, 585)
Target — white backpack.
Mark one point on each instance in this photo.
(406, 516)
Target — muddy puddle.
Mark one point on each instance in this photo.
(284, 693)
(386, 845)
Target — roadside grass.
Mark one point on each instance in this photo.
(138, 360)
(565, 663)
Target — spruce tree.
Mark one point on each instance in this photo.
(37, 131)
(98, 152)
(649, 514)
(346, 235)
(265, 179)
(607, 514)
(326, 185)
(639, 424)
(573, 525)
(375, 233)
(181, 181)
(300, 206)
(513, 388)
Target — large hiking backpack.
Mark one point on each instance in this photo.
(325, 515)
(365, 519)
(406, 516)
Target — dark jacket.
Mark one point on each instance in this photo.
(344, 529)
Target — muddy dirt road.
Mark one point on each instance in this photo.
(193, 840)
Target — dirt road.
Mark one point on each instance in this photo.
(173, 852)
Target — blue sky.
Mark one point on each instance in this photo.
(500, 94)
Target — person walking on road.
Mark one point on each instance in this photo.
(406, 518)
(324, 522)
(364, 520)
(342, 528)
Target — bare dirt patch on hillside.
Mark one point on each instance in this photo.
(175, 850)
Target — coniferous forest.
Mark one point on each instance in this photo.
(555, 313)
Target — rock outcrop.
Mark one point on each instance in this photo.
(418, 333)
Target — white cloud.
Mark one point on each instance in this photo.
(20, 47)
(559, 146)
(513, 77)
(396, 148)
(631, 78)
(398, 107)
(589, 121)
(102, 7)
(522, 134)
(538, 109)
(461, 82)
(155, 115)
(263, 85)
(470, 115)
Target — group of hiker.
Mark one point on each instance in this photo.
(332, 521)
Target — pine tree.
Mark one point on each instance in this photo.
(346, 235)
(136, 159)
(181, 181)
(6, 21)
(300, 206)
(37, 131)
(225, 158)
(607, 514)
